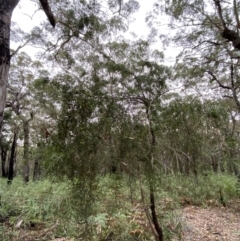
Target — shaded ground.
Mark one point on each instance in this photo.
(221, 224)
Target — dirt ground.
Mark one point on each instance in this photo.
(222, 224)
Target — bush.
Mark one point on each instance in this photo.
(117, 209)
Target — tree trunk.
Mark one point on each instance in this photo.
(4, 158)
(12, 158)
(6, 9)
(157, 226)
(37, 170)
(214, 163)
(26, 168)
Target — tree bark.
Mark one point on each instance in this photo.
(6, 9)
(37, 170)
(12, 159)
(157, 226)
(4, 158)
(26, 168)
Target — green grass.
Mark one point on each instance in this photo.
(117, 208)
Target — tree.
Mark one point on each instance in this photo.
(6, 9)
(21, 103)
(192, 135)
(12, 157)
(208, 33)
(107, 114)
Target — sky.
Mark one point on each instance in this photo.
(27, 15)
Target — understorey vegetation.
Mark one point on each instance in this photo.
(101, 137)
(47, 210)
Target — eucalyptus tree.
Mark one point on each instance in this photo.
(140, 82)
(194, 136)
(82, 26)
(208, 34)
(79, 44)
(103, 83)
(22, 102)
(6, 10)
(106, 113)
(4, 151)
(8, 144)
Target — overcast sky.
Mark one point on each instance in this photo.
(27, 15)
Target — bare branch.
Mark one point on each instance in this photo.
(20, 47)
(217, 80)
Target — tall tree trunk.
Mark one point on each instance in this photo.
(4, 158)
(6, 9)
(12, 159)
(157, 226)
(26, 167)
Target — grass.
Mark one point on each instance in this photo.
(44, 210)
(206, 190)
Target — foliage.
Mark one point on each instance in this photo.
(202, 190)
(208, 59)
(119, 209)
(104, 120)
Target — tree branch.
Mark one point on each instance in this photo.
(48, 12)
(235, 97)
(236, 15)
(227, 33)
(219, 10)
(20, 47)
(216, 79)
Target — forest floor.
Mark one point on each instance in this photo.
(205, 224)
(42, 211)
(208, 224)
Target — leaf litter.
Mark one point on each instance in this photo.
(208, 224)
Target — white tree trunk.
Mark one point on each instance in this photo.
(6, 9)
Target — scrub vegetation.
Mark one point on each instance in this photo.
(103, 139)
